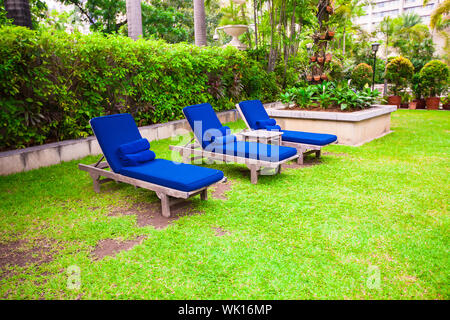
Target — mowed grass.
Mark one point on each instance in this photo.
(368, 222)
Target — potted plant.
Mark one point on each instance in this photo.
(328, 57)
(316, 77)
(406, 98)
(417, 90)
(324, 77)
(330, 34)
(313, 58)
(309, 77)
(234, 23)
(320, 59)
(445, 103)
(323, 36)
(398, 73)
(434, 77)
(329, 9)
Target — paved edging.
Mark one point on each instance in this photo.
(53, 153)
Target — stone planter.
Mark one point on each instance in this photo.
(235, 31)
(353, 128)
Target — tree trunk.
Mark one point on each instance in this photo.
(19, 11)
(291, 50)
(255, 17)
(343, 42)
(199, 23)
(134, 19)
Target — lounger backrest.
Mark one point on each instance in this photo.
(253, 110)
(201, 117)
(113, 131)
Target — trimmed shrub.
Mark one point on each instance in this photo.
(362, 75)
(399, 72)
(53, 83)
(434, 78)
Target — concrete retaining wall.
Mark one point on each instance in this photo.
(54, 153)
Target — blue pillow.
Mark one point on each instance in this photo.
(262, 124)
(134, 146)
(135, 153)
(212, 134)
(273, 128)
(224, 139)
(136, 159)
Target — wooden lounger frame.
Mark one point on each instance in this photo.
(194, 151)
(168, 196)
(303, 149)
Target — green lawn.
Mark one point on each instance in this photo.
(324, 231)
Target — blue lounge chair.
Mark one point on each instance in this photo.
(216, 142)
(256, 118)
(131, 161)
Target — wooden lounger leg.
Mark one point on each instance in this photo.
(165, 204)
(96, 182)
(300, 159)
(204, 195)
(318, 153)
(253, 173)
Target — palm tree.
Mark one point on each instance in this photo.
(199, 23)
(134, 19)
(19, 12)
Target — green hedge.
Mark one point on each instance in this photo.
(52, 83)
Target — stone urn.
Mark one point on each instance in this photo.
(235, 31)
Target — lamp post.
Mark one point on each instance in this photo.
(375, 47)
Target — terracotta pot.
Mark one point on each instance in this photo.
(316, 78)
(433, 103)
(404, 105)
(320, 59)
(328, 57)
(413, 105)
(420, 103)
(323, 36)
(309, 77)
(324, 77)
(395, 100)
(330, 34)
(313, 58)
(329, 9)
(446, 106)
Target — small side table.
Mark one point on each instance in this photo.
(262, 136)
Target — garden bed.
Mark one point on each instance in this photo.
(351, 128)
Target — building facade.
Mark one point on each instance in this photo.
(392, 8)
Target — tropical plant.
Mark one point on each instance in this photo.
(399, 72)
(416, 86)
(301, 96)
(362, 75)
(434, 78)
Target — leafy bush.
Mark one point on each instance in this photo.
(52, 83)
(331, 94)
(399, 72)
(362, 75)
(434, 78)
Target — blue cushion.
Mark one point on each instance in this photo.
(317, 139)
(201, 118)
(135, 153)
(253, 150)
(211, 134)
(262, 124)
(112, 132)
(179, 176)
(136, 159)
(224, 139)
(134, 146)
(253, 111)
(273, 128)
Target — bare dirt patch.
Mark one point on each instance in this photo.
(150, 213)
(219, 190)
(111, 247)
(21, 253)
(219, 232)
